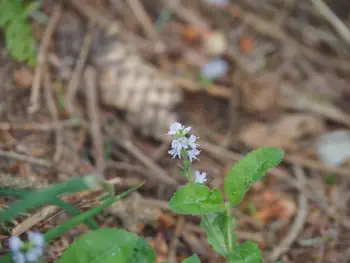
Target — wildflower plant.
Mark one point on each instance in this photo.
(111, 245)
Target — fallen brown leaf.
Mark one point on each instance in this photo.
(23, 77)
(283, 133)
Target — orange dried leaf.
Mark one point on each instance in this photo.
(192, 34)
(246, 45)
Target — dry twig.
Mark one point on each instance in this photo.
(180, 225)
(186, 14)
(299, 221)
(160, 173)
(274, 31)
(79, 67)
(94, 116)
(339, 26)
(50, 101)
(25, 158)
(144, 19)
(49, 126)
(34, 97)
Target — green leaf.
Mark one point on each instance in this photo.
(193, 259)
(109, 245)
(248, 170)
(196, 199)
(247, 252)
(218, 227)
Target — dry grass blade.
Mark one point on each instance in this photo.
(42, 56)
(325, 11)
(299, 221)
(94, 116)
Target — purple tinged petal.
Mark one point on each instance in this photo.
(15, 243)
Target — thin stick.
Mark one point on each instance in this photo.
(299, 221)
(327, 13)
(317, 166)
(144, 19)
(179, 228)
(49, 126)
(186, 14)
(158, 171)
(34, 96)
(74, 81)
(25, 158)
(276, 32)
(214, 90)
(50, 101)
(94, 116)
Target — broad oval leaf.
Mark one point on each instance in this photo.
(192, 259)
(247, 252)
(218, 227)
(249, 170)
(197, 199)
(109, 245)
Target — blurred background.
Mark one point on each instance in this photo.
(91, 86)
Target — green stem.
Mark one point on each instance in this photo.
(187, 167)
(229, 226)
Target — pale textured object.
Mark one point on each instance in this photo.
(218, 3)
(334, 148)
(215, 44)
(126, 81)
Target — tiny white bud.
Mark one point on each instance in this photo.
(200, 177)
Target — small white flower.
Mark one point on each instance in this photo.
(30, 251)
(36, 238)
(18, 257)
(34, 254)
(38, 242)
(200, 177)
(176, 128)
(15, 244)
(177, 145)
(192, 154)
(182, 143)
(191, 141)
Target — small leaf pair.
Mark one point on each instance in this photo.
(199, 199)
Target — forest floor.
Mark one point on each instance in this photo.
(286, 85)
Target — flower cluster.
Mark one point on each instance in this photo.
(30, 251)
(184, 144)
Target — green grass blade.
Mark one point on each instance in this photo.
(61, 229)
(71, 209)
(46, 195)
(19, 193)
